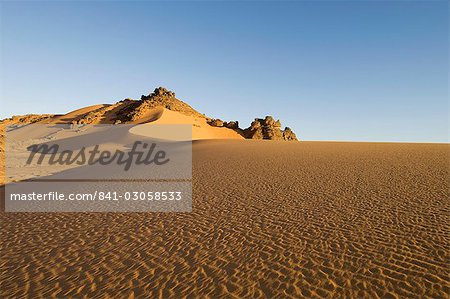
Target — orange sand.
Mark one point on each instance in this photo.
(270, 219)
(200, 128)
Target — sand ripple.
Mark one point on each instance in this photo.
(270, 219)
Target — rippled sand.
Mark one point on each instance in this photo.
(270, 219)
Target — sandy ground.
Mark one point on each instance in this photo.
(270, 219)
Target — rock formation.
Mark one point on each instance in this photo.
(133, 111)
(268, 128)
(216, 123)
(162, 97)
(231, 125)
(289, 135)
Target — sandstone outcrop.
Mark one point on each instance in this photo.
(216, 123)
(289, 135)
(231, 125)
(270, 129)
(137, 111)
(162, 97)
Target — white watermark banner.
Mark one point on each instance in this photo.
(62, 167)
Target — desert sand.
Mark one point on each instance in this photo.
(270, 219)
(200, 128)
(41, 131)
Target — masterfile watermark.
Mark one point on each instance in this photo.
(134, 168)
(140, 153)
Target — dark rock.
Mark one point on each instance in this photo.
(289, 135)
(268, 128)
(216, 123)
(161, 91)
(232, 125)
(161, 97)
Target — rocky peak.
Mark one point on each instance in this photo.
(159, 92)
(129, 110)
(160, 97)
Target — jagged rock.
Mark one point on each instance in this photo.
(216, 123)
(272, 133)
(161, 97)
(255, 130)
(231, 125)
(256, 124)
(161, 91)
(256, 134)
(126, 110)
(136, 111)
(268, 128)
(289, 135)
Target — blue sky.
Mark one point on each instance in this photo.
(330, 70)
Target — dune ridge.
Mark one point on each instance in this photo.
(162, 107)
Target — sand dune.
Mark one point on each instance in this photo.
(200, 128)
(159, 115)
(148, 125)
(161, 107)
(270, 219)
(69, 117)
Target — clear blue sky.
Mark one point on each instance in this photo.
(338, 70)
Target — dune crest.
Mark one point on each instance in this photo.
(200, 128)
